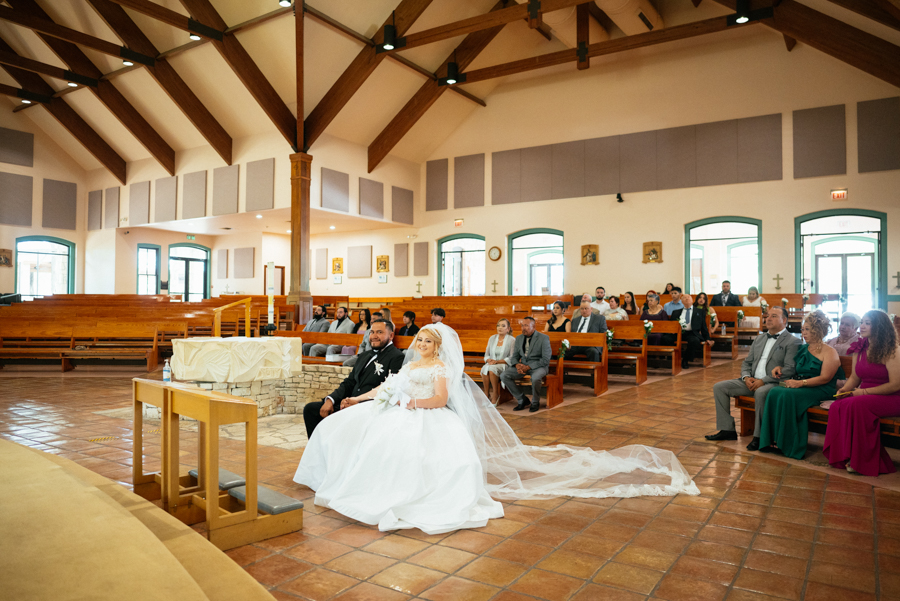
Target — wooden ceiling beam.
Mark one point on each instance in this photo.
(24, 94)
(873, 9)
(355, 75)
(892, 6)
(170, 17)
(166, 76)
(15, 60)
(471, 46)
(243, 66)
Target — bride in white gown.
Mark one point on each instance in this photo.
(430, 452)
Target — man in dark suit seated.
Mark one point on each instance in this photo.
(586, 321)
(694, 332)
(371, 369)
(725, 298)
(409, 325)
(531, 356)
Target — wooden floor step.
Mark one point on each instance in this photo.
(227, 480)
(268, 500)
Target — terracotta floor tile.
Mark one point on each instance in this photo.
(583, 509)
(277, 569)
(367, 591)
(852, 511)
(788, 530)
(678, 588)
(835, 554)
(504, 527)
(716, 552)
(407, 578)
(842, 576)
(594, 592)
(661, 541)
(750, 509)
(355, 535)
(247, 554)
(794, 503)
(445, 559)
(670, 526)
(816, 591)
(845, 523)
(603, 548)
(889, 563)
(792, 516)
(564, 521)
(890, 585)
(769, 584)
(704, 569)
(777, 564)
(318, 551)
(726, 536)
(495, 572)
(319, 585)
(280, 543)
(359, 564)
(570, 563)
(638, 505)
(620, 517)
(459, 589)
(736, 521)
(691, 514)
(611, 531)
(520, 552)
(889, 546)
(318, 525)
(508, 595)
(540, 535)
(782, 546)
(847, 498)
(742, 595)
(521, 513)
(395, 546)
(547, 585)
(639, 580)
(746, 496)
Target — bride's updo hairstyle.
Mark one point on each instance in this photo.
(437, 338)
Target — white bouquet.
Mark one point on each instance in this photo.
(682, 321)
(784, 302)
(740, 315)
(648, 327)
(805, 299)
(563, 347)
(713, 318)
(610, 334)
(389, 393)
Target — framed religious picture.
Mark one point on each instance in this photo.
(653, 252)
(5, 257)
(381, 264)
(337, 265)
(590, 254)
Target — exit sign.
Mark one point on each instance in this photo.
(191, 237)
(839, 194)
(458, 223)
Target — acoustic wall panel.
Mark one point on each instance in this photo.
(139, 203)
(244, 262)
(95, 210)
(637, 162)
(335, 190)
(537, 163)
(567, 170)
(420, 258)
(260, 178)
(111, 208)
(402, 205)
(16, 147)
(436, 179)
(820, 141)
(401, 260)
(676, 158)
(759, 148)
(225, 190)
(60, 205)
(321, 263)
(506, 179)
(16, 193)
(717, 153)
(371, 198)
(165, 195)
(468, 181)
(878, 134)
(359, 262)
(601, 166)
(222, 263)
(193, 195)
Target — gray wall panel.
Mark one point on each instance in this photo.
(401, 259)
(260, 178)
(371, 198)
(402, 202)
(436, 180)
(165, 198)
(111, 208)
(244, 262)
(717, 153)
(222, 263)
(637, 167)
(16, 193)
(16, 147)
(759, 149)
(226, 182)
(820, 141)
(60, 205)
(335, 190)
(193, 195)
(878, 134)
(567, 170)
(468, 181)
(601, 166)
(322, 264)
(506, 177)
(420, 258)
(537, 165)
(95, 210)
(359, 262)
(676, 158)
(139, 203)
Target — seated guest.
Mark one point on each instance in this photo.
(586, 321)
(409, 325)
(785, 427)
(654, 312)
(674, 307)
(694, 331)
(318, 323)
(531, 357)
(361, 327)
(725, 298)
(847, 336)
(669, 288)
(342, 324)
(438, 315)
(600, 305)
(499, 349)
(853, 435)
(628, 303)
(615, 312)
(386, 315)
(775, 349)
(649, 292)
(753, 299)
(558, 322)
(370, 371)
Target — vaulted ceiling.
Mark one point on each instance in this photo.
(239, 79)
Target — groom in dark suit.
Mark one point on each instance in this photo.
(725, 298)
(371, 369)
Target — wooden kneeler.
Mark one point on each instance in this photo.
(230, 521)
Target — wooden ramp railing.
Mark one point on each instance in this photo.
(217, 316)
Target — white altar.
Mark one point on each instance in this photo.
(236, 359)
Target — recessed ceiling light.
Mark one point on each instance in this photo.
(72, 84)
(259, 216)
(331, 227)
(194, 37)
(29, 102)
(289, 231)
(128, 63)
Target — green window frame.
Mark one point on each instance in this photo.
(158, 250)
(70, 283)
(509, 252)
(440, 258)
(208, 251)
(722, 219)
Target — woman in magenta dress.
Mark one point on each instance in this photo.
(853, 437)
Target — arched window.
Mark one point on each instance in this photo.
(44, 266)
(723, 248)
(536, 263)
(189, 271)
(461, 265)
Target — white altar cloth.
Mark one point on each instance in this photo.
(236, 359)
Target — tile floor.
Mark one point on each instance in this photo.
(763, 529)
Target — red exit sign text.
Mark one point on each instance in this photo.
(839, 194)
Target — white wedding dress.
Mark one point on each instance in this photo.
(440, 469)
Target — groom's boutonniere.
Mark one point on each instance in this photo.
(379, 368)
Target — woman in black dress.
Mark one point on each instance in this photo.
(558, 323)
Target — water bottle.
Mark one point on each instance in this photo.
(167, 372)
(723, 329)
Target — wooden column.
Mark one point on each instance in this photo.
(301, 169)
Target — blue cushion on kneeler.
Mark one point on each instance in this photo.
(267, 500)
(227, 479)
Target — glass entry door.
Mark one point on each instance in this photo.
(188, 278)
(546, 278)
(852, 275)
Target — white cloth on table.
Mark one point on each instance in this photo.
(498, 353)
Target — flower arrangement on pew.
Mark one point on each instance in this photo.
(648, 327)
(784, 302)
(563, 347)
(740, 315)
(610, 333)
(713, 318)
(805, 299)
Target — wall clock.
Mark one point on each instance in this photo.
(494, 254)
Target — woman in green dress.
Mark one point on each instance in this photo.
(784, 424)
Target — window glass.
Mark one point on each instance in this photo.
(42, 268)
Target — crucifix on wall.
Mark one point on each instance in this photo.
(778, 279)
(897, 277)
(418, 287)
(494, 284)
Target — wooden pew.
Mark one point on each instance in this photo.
(328, 338)
(113, 342)
(630, 331)
(33, 341)
(599, 369)
(728, 316)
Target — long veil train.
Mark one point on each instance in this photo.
(513, 470)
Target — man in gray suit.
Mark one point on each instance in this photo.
(586, 321)
(342, 324)
(318, 323)
(768, 351)
(531, 356)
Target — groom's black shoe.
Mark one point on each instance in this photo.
(754, 444)
(723, 435)
(534, 407)
(522, 404)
